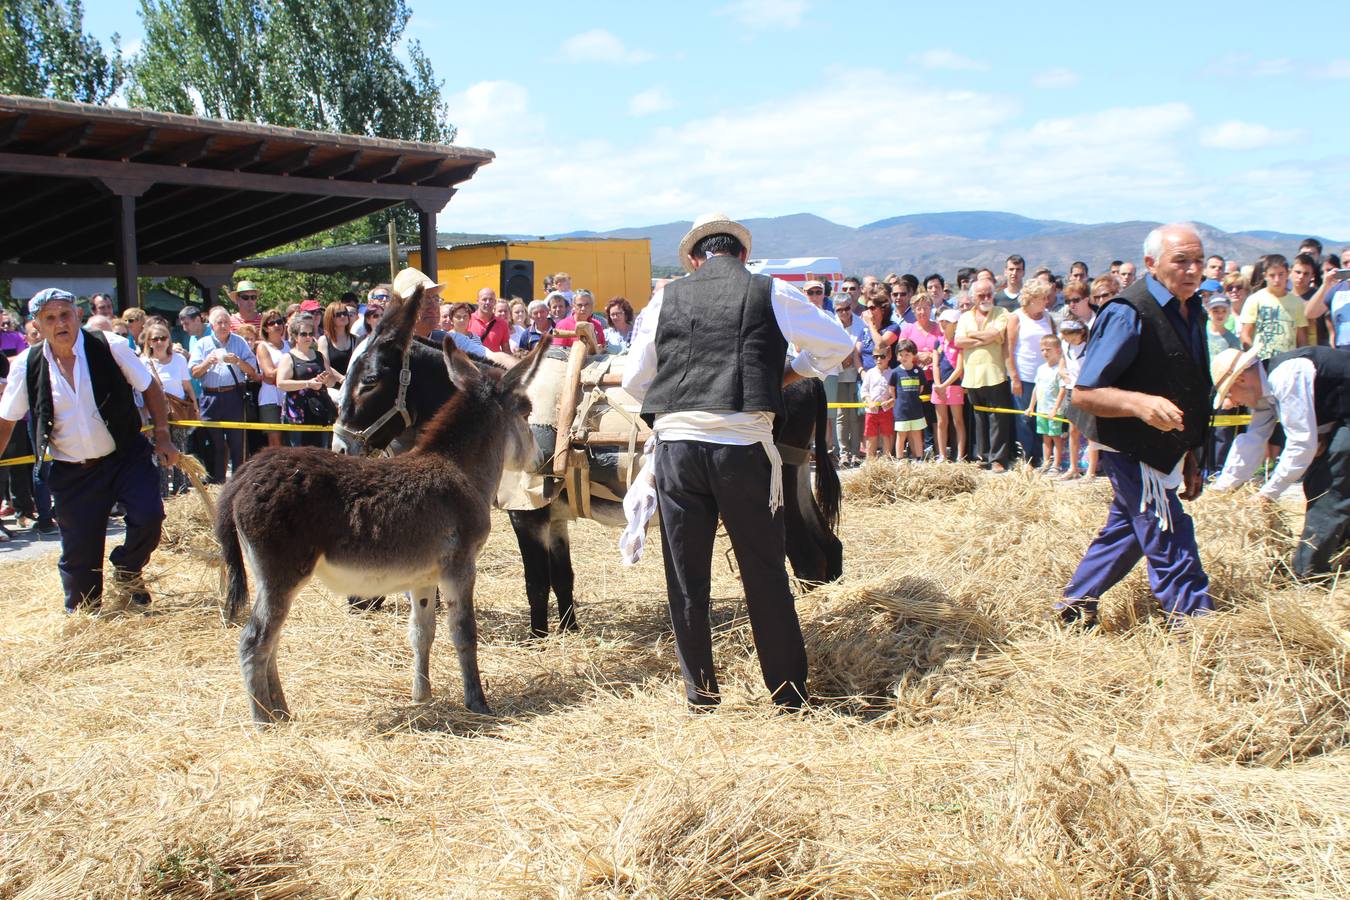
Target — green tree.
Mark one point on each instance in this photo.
(324, 65)
(44, 52)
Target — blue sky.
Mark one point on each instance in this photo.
(606, 114)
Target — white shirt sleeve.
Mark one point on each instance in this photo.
(14, 401)
(821, 342)
(640, 369)
(1288, 401)
(137, 375)
(1291, 386)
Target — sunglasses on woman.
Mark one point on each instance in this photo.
(301, 334)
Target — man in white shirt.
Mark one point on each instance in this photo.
(78, 385)
(1307, 391)
(707, 364)
(223, 362)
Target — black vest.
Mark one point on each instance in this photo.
(1331, 383)
(1163, 367)
(112, 394)
(718, 345)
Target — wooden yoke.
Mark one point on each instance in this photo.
(571, 395)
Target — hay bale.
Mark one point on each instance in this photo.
(864, 638)
(885, 480)
(229, 865)
(1077, 818)
(726, 836)
(1279, 683)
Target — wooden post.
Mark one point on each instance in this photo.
(393, 250)
(567, 406)
(128, 293)
(427, 234)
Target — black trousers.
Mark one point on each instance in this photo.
(227, 444)
(84, 496)
(695, 482)
(993, 431)
(1326, 484)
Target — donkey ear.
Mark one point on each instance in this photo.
(463, 373)
(519, 376)
(400, 320)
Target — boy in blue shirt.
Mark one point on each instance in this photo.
(906, 387)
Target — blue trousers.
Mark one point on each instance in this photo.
(1175, 574)
(1025, 426)
(84, 496)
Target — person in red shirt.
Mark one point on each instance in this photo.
(583, 310)
(495, 333)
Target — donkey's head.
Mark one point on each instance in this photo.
(490, 402)
(375, 406)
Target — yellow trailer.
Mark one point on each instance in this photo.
(606, 267)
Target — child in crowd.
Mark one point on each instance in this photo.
(1072, 347)
(906, 388)
(948, 398)
(878, 421)
(1047, 399)
(1219, 331)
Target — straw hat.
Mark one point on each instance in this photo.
(243, 287)
(408, 281)
(711, 223)
(1225, 368)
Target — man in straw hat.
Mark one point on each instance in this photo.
(707, 362)
(1142, 396)
(245, 296)
(78, 385)
(1308, 392)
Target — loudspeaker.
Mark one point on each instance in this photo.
(517, 279)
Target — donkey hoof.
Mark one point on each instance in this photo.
(480, 707)
(421, 695)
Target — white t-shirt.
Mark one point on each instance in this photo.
(171, 374)
(270, 393)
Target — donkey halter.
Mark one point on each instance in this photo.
(400, 407)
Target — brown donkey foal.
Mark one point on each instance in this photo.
(372, 526)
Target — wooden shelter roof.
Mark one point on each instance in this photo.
(206, 192)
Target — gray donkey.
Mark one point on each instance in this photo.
(372, 526)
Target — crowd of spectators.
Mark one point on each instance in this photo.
(996, 354)
(979, 368)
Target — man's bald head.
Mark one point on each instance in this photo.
(1175, 256)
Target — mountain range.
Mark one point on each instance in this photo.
(943, 242)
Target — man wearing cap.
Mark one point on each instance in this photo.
(223, 362)
(79, 386)
(245, 297)
(707, 362)
(1307, 391)
(1142, 397)
(847, 420)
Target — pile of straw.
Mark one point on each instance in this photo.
(886, 480)
(965, 746)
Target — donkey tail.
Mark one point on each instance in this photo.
(828, 492)
(232, 555)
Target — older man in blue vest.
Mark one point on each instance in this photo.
(708, 363)
(1143, 398)
(79, 386)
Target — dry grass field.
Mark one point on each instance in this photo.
(967, 748)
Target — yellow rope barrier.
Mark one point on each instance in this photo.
(1217, 421)
(194, 423)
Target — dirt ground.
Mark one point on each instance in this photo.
(966, 748)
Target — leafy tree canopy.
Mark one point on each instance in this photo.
(44, 52)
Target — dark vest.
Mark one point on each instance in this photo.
(1331, 383)
(718, 346)
(1163, 367)
(112, 394)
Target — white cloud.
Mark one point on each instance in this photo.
(652, 100)
(951, 61)
(1239, 63)
(1055, 78)
(1337, 68)
(599, 45)
(767, 14)
(1235, 135)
